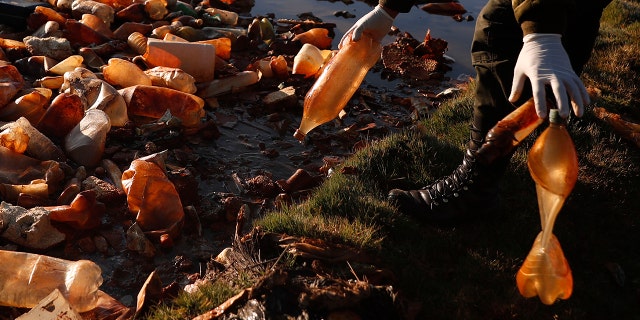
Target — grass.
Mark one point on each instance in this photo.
(468, 271)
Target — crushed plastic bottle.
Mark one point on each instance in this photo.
(153, 102)
(96, 94)
(11, 82)
(31, 106)
(27, 278)
(337, 83)
(86, 141)
(545, 272)
(152, 197)
(553, 165)
(39, 146)
(64, 113)
(172, 78)
(308, 60)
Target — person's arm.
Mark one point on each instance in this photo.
(397, 6)
(543, 60)
(542, 16)
(377, 23)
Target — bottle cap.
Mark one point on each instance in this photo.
(554, 116)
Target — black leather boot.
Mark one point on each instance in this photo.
(470, 191)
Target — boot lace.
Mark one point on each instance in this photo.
(460, 179)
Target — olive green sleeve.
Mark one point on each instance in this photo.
(542, 16)
(397, 5)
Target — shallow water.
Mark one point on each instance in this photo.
(416, 22)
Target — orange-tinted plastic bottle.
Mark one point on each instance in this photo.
(337, 83)
(509, 132)
(553, 164)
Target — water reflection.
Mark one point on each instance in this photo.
(416, 22)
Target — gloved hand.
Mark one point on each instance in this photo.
(545, 62)
(377, 23)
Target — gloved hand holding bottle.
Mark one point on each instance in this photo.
(377, 23)
(545, 62)
(360, 49)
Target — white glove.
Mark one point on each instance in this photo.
(377, 23)
(545, 62)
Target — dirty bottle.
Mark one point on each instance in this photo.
(509, 132)
(553, 164)
(124, 73)
(308, 60)
(172, 78)
(86, 141)
(337, 83)
(64, 113)
(152, 198)
(153, 102)
(318, 37)
(225, 16)
(27, 278)
(39, 146)
(31, 105)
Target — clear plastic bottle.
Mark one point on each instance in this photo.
(27, 278)
(553, 164)
(338, 81)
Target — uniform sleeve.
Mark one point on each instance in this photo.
(542, 16)
(398, 5)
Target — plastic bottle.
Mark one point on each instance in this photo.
(86, 141)
(337, 83)
(153, 102)
(152, 198)
(27, 278)
(318, 37)
(226, 17)
(307, 61)
(553, 164)
(509, 132)
(31, 105)
(172, 78)
(64, 113)
(124, 73)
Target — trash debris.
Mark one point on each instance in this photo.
(425, 61)
(36, 276)
(627, 129)
(53, 306)
(30, 228)
(451, 8)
